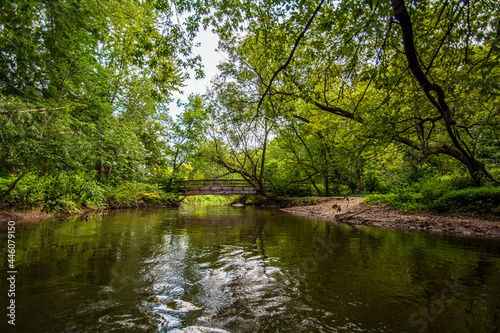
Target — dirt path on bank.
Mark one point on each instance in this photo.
(351, 211)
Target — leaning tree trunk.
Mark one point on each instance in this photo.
(12, 186)
(475, 167)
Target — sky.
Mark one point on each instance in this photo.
(210, 58)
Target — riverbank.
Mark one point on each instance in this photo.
(352, 211)
(31, 215)
(35, 215)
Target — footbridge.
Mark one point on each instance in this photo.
(214, 187)
(233, 186)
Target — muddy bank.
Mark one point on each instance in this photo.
(28, 216)
(37, 215)
(352, 211)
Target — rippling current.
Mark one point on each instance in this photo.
(228, 269)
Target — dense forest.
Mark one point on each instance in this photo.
(395, 100)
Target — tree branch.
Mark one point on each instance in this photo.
(285, 65)
(13, 185)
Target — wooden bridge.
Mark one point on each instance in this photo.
(214, 187)
(231, 187)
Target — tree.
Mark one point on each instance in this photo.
(184, 135)
(97, 74)
(238, 140)
(407, 76)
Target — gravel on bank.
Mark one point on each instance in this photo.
(351, 210)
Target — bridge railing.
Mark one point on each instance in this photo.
(212, 183)
(295, 189)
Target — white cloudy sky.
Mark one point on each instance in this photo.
(210, 58)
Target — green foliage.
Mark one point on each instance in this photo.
(27, 194)
(442, 196)
(133, 194)
(207, 199)
(307, 201)
(253, 200)
(481, 200)
(68, 192)
(71, 192)
(63, 193)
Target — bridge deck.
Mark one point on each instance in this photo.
(218, 190)
(214, 187)
(213, 183)
(222, 187)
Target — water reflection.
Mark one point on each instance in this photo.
(248, 270)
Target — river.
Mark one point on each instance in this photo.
(244, 270)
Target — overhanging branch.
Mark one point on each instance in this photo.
(290, 57)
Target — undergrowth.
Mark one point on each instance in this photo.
(306, 201)
(253, 200)
(73, 192)
(207, 199)
(442, 196)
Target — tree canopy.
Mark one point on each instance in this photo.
(359, 77)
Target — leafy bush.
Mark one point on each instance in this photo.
(28, 192)
(480, 200)
(133, 194)
(374, 180)
(307, 201)
(67, 192)
(72, 191)
(442, 195)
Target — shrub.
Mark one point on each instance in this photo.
(442, 196)
(483, 200)
(307, 201)
(133, 194)
(67, 192)
(72, 191)
(28, 192)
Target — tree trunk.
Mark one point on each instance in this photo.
(12, 186)
(475, 167)
(101, 170)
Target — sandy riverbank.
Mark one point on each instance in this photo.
(352, 211)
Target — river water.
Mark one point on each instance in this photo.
(245, 270)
